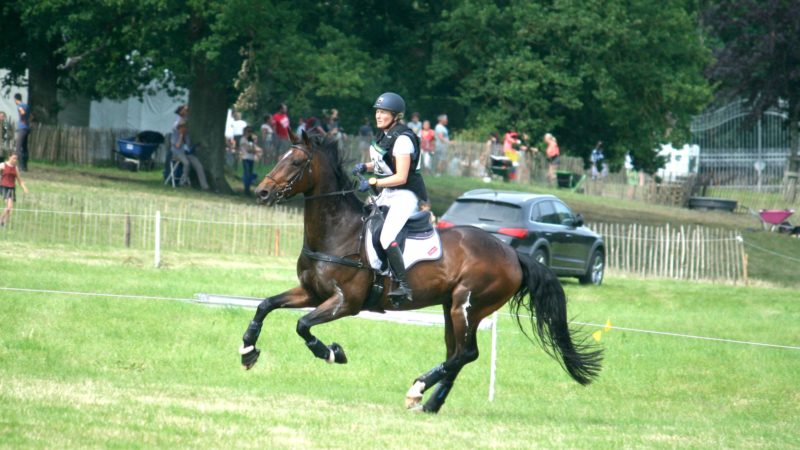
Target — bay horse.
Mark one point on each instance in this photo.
(476, 275)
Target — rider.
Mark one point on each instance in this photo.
(395, 162)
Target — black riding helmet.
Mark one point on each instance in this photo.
(390, 102)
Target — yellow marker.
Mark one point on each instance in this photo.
(597, 335)
(608, 326)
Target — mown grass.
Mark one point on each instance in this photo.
(82, 371)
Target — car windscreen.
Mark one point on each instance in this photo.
(474, 210)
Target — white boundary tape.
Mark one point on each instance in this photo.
(406, 317)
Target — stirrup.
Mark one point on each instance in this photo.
(400, 296)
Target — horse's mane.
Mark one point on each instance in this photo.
(329, 146)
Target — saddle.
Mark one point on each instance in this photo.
(418, 240)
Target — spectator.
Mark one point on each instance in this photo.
(8, 183)
(599, 167)
(249, 152)
(442, 141)
(266, 140)
(492, 147)
(181, 113)
(427, 143)
(415, 124)
(300, 128)
(23, 128)
(281, 124)
(332, 128)
(238, 131)
(182, 150)
(365, 135)
(314, 125)
(510, 140)
(553, 154)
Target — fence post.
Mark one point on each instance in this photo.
(127, 230)
(158, 239)
(493, 365)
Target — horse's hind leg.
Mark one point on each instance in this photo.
(293, 298)
(461, 326)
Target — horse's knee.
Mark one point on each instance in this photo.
(304, 328)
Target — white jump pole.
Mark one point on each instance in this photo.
(493, 364)
(158, 239)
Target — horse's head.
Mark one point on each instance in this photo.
(288, 177)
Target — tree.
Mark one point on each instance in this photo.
(219, 50)
(758, 59)
(30, 45)
(625, 72)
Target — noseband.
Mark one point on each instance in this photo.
(280, 195)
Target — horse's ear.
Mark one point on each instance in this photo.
(306, 139)
(293, 137)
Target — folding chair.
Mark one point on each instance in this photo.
(175, 170)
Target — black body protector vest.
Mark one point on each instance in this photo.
(383, 147)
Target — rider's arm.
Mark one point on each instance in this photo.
(403, 164)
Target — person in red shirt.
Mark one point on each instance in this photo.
(8, 183)
(553, 155)
(281, 124)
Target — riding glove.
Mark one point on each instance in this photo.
(359, 168)
(363, 185)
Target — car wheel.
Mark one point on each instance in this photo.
(595, 271)
(540, 255)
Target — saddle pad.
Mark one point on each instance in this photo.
(422, 247)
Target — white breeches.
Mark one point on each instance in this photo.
(402, 204)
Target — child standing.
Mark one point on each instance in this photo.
(8, 183)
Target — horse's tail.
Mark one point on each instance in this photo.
(548, 315)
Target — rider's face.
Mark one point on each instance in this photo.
(383, 118)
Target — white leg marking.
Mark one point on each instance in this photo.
(331, 358)
(466, 307)
(339, 297)
(245, 350)
(414, 395)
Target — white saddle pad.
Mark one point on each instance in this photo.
(416, 249)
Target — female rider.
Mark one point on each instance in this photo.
(395, 162)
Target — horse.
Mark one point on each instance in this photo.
(476, 275)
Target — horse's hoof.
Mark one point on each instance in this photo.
(338, 353)
(414, 404)
(415, 408)
(250, 355)
(414, 396)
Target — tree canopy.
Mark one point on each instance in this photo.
(625, 72)
(758, 59)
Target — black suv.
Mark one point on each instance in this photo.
(541, 226)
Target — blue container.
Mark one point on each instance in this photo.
(129, 148)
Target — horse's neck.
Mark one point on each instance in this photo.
(331, 224)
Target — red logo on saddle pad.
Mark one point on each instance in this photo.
(433, 250)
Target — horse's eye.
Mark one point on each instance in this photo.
(297, 163)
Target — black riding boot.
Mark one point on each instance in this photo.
(403, 292)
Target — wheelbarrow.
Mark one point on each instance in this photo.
(774, 218)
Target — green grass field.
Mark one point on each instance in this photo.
(81, 371)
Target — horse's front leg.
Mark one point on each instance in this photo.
(293, 298)
(331, 309)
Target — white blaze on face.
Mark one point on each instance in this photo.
(286, 155)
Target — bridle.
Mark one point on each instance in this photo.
(280, 195)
